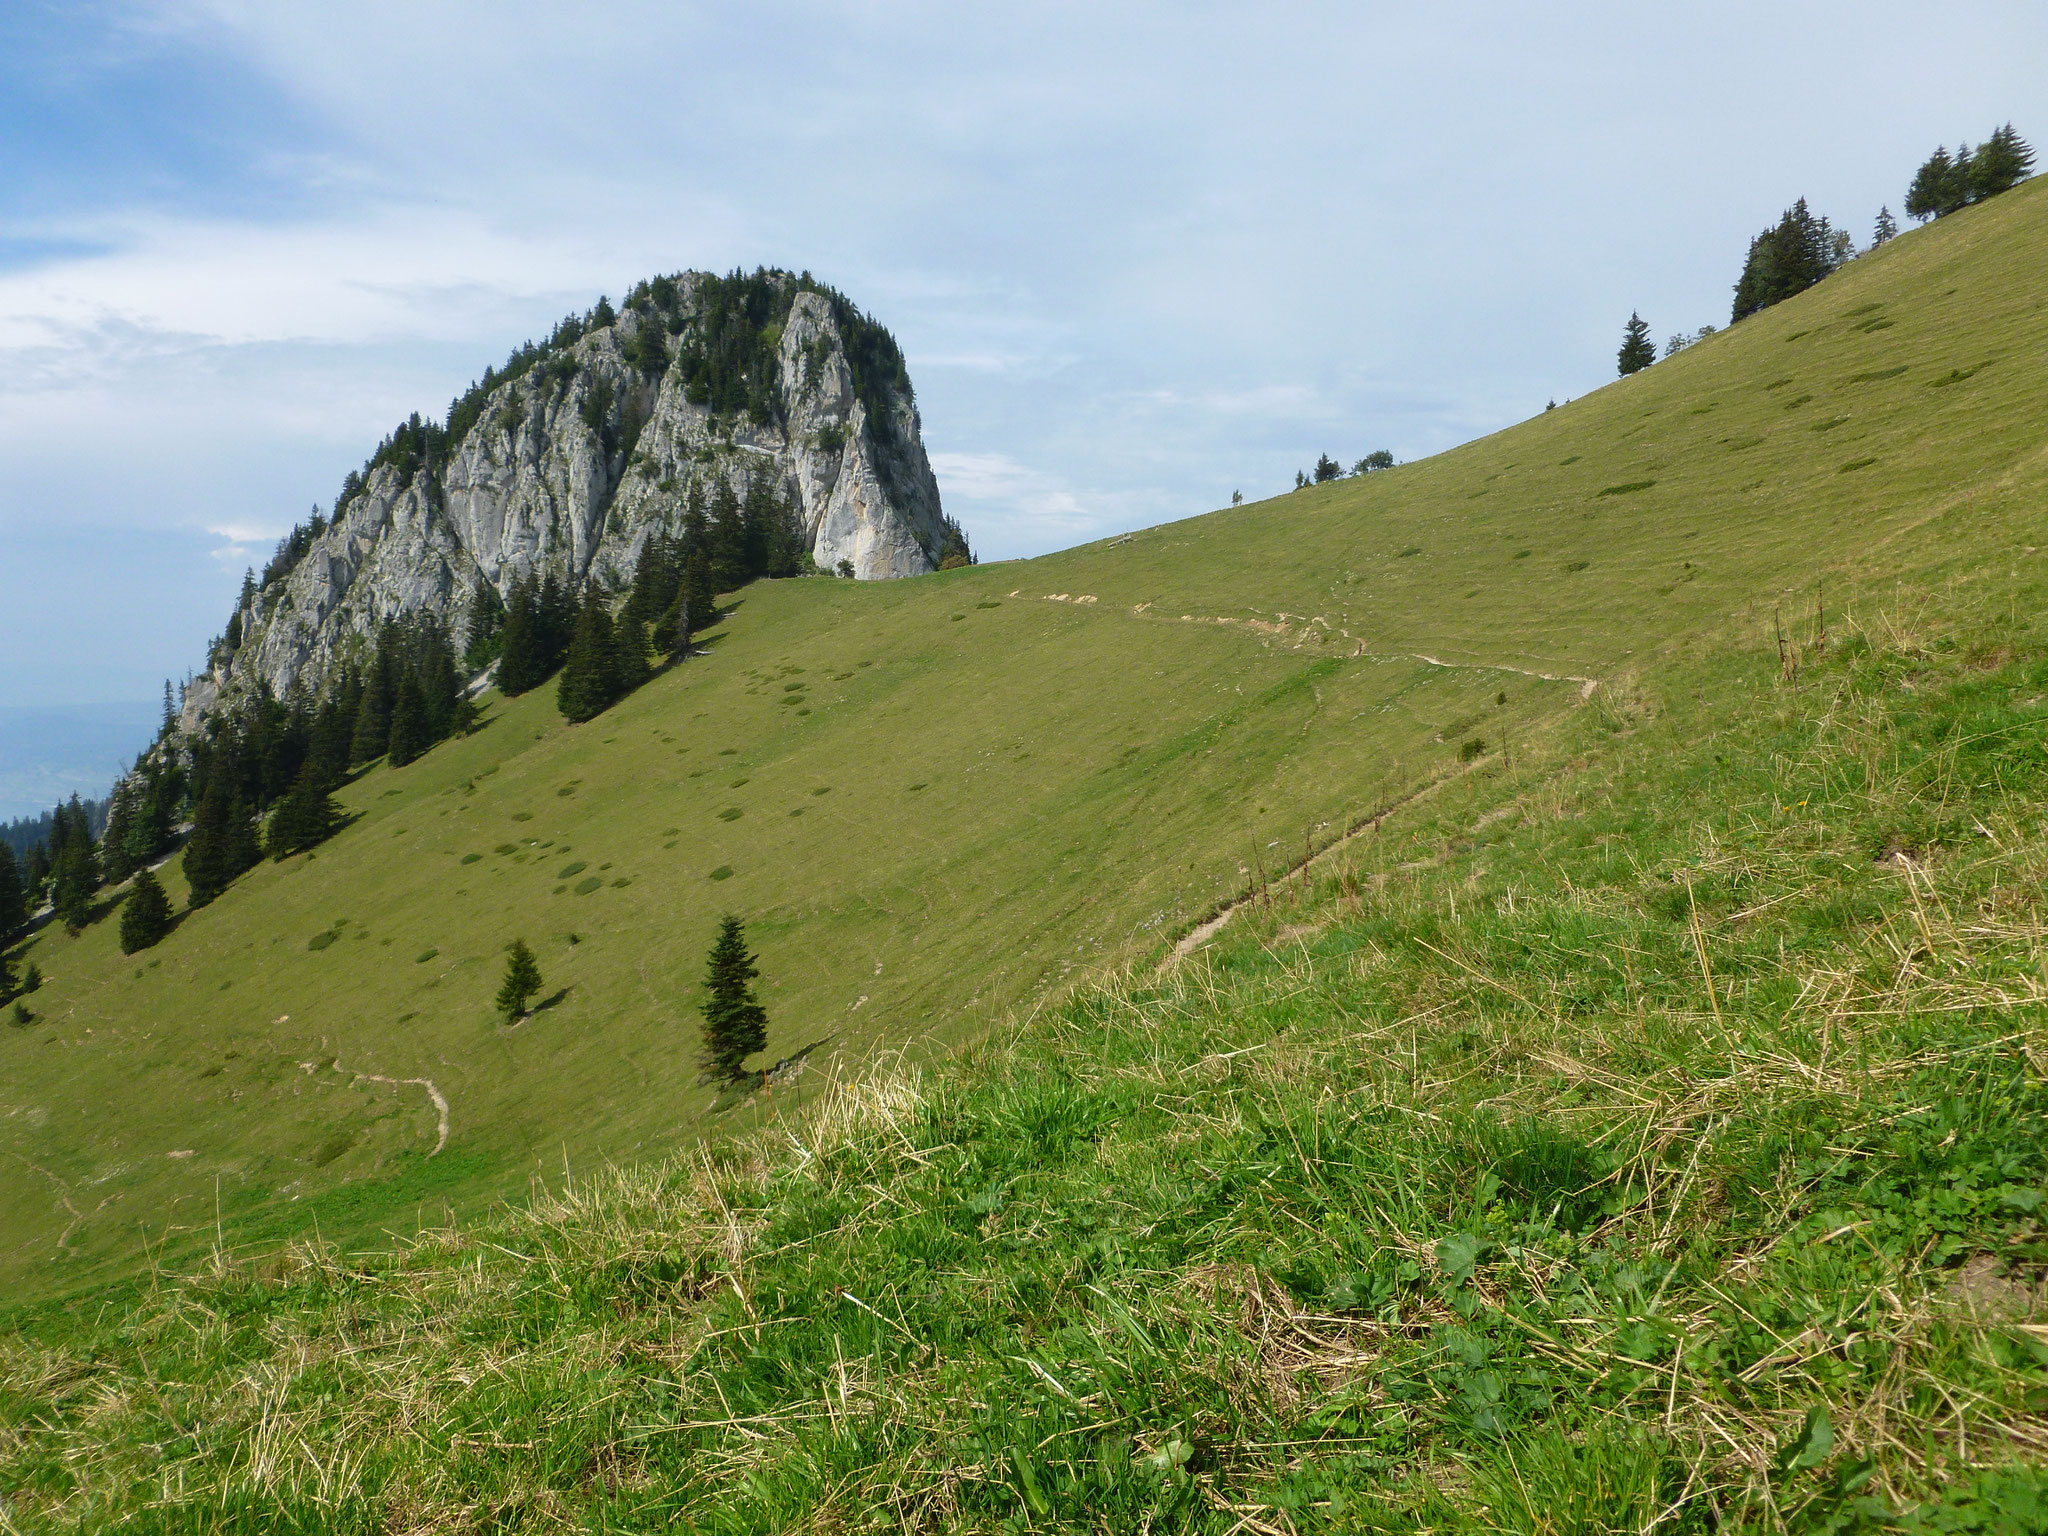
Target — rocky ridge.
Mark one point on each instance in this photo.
(569, 466)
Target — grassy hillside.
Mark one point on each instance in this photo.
(1652, 1137)
(937, 801)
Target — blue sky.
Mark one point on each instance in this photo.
(1139, 256)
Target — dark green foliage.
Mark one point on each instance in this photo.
(1378, 459)
(587, 684)
(74, 871)
(116, 861)
(1327, 469)
(145, 915)
(13, 899)
(539, 618)
(223, 842)
(1788, 258)
(1945, 183)
(305, 817)
(953, 550)
(327, 752)
(1637, 350)
(735, 1024)
(648, 350)
(1887, 228)
(522, 980)
(486, 626)
(2001, 163)
(411, 730)
(372, 735)
(728, 358)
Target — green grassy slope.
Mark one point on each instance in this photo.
(1443, 1193)
(994, 779)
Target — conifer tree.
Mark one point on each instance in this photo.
(411, 731)
(699, 595)
(244, 846)
(556, 607)
(372, 736)
(209, 861)
(72, 883)
(735, 1023)
(726, 540)
(169, 725)
(8, 985)
(522, 980)
(1788, 258)
(2000, 164)
(590, 675)
(13, 899)
(486, 626)
(521, 663)
(327, 753)
(1887, 228)
(116, 861)
(145, 915)
(305, 817)
(1637, 350)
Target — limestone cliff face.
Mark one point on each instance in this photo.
(568, 468)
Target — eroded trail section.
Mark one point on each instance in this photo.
(440, 1102)
(1315, 629)
(1210, 926)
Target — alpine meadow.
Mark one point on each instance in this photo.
(1503, 993)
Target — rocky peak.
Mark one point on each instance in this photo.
(566, 461)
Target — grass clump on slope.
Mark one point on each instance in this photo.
(1650, 1139)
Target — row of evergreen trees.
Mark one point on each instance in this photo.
(1947, 182)
(257, 781)
(1790, 257)
(1328, 469)
(541, 628)
(1803, 247)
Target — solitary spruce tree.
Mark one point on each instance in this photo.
(1887, 228)
(735, 1024)
(1637, 350)
(145, 915)
(522, 980)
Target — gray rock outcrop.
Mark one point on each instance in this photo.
(569, 467)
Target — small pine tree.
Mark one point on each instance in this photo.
(7, 981)
(145, 915)
(1637, 350)
(522, 980)
(1887, 228)
(735, 1024)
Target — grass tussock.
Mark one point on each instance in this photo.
(1652, 1145)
